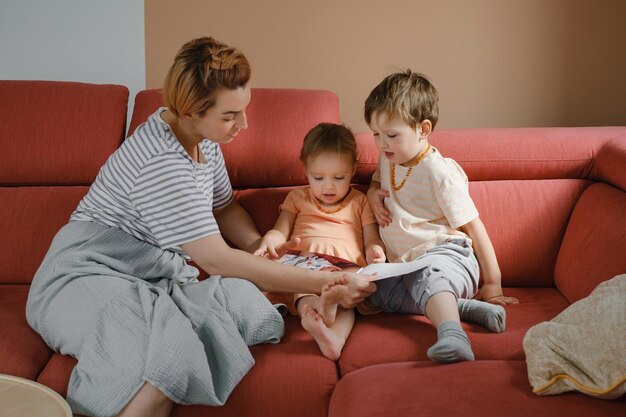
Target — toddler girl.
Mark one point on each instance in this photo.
(331, 218)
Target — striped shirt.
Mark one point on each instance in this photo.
(428, 209)
(151, 188)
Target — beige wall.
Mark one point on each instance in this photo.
(496, 63)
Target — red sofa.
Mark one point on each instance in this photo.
(552, 199)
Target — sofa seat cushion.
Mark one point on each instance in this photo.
(295, 363)
(481, 388)
(23, 352)
(387, 338)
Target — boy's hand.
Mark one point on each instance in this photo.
(376, 197)
(359, 287)
(492, 293)
(375, 255)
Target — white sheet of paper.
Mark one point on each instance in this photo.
(391, 270)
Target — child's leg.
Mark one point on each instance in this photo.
(329, 302)
(452, 342)
(490, 316)
(330, 339)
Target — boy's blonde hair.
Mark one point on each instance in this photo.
(328, 137)
(406, 94)
(202, 67)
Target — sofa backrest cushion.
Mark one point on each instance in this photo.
(29, 219)
(593, 248)
(55, 138)
(58, 133)
(515, 153)
(526, 221)
(267, 153)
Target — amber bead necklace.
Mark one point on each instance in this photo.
(341, 205)
(412, 163)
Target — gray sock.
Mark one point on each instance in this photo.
(452, 344)
(490, 316)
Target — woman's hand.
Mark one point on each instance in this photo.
(359, 287)
(376, 197)
(492, 293)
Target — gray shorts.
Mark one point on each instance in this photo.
(452, 267)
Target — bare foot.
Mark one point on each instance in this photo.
(328, 342)
(329, 302)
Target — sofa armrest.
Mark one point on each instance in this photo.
(610, 162)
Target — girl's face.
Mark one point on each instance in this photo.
(223, 122)
(329, 176)
(395, 139)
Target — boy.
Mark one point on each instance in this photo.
(421, 201)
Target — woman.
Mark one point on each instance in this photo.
(115, 290)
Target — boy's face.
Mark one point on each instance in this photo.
(395, 139)
(329, 176)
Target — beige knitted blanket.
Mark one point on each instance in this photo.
(584, 347)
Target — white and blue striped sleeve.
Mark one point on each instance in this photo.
(172, 203)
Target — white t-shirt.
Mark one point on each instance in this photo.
(426, 211)
(152, 189)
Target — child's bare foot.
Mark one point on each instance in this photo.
(329, 302)
(330, 345)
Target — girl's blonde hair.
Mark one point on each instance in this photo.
(328, 137)
(201, 68)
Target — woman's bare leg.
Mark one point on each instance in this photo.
(148, 402)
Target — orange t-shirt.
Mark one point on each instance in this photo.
(338, 234)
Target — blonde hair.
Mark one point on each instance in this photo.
(406, 94)
(202, 67)
(328, 137)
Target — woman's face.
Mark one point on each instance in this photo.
(223, 122)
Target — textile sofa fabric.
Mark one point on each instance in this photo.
(553, 201)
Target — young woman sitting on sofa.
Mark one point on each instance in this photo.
(115, 290)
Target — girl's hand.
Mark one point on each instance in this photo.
(376, 197)
(291, 244)
(266, 248)
(375, 255)
(273, 245)
(359, 287)
(492, 293)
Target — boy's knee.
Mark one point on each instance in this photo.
(430, 285)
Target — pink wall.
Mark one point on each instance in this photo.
(496, 63)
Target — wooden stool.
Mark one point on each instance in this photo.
(21, 397)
